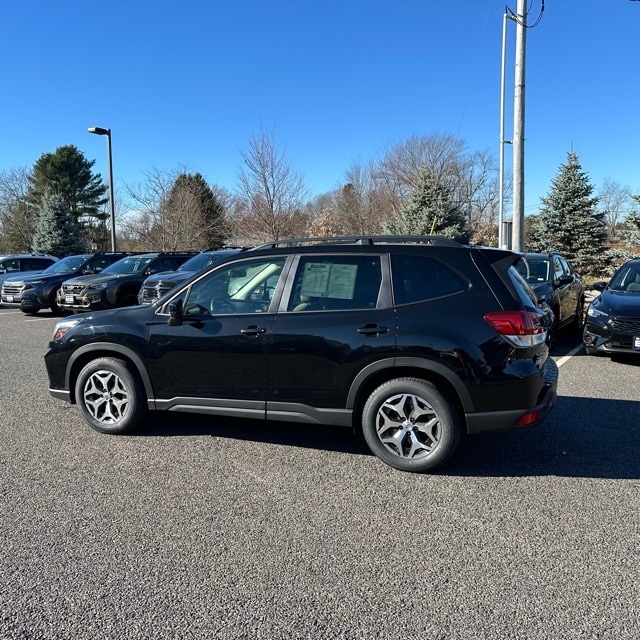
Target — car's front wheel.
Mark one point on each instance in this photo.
(109, 396)
(409, 424)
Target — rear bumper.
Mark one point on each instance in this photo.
(519, 418)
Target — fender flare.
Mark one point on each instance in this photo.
(114, 349)
(417, 363)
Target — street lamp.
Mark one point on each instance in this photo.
(107, 132)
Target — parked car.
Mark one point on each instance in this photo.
(613, 318)
(157, 285)
(557, 285)
(35, 292)
(412, 340)
(118, 284)
(24, 264)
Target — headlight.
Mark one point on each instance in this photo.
(32, 284)
(63, 326)
(592, 312)
(100, 285)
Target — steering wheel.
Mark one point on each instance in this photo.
(221, 305)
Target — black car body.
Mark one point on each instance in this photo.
(35, 292)
(157, 285)
(613, 318)
(412, 340)
(557, 285)
(23, 264)
(118, 284)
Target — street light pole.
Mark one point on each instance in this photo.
(107, 132)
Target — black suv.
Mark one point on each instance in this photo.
(557, 285)
(156, 286)
(35, 292)
(118, 284)
(19, 264)
(412, 340)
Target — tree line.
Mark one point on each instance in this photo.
(424, 184)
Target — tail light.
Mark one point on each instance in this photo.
(520, 328)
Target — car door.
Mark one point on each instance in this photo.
(212, 357)
(335, 320)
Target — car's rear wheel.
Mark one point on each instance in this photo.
(409, 424)
(109, 396)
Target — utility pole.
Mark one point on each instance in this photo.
(518, 129)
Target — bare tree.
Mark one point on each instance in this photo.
(617, 202)
(170, 211)
(271, 195)
(18, 217)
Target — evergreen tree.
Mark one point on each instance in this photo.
(58, 232)
(569, 221)
(428, 210)
(193, 202)
(69, 174)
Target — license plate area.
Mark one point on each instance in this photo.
(69, 299)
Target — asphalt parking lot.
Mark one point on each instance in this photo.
(194, 527)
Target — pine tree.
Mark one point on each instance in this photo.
(569, 221)
(58, 232)
(69, 174)
(428, 210)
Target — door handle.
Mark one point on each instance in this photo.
(252, 330)
(372, 330)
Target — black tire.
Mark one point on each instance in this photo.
(53, 305)
(30, 312)
(410, 425)
(129, 300)
(109, 397)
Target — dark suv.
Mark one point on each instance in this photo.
(118, 284)
(19, 264)
(156, 286)
(557, 285)
(35, 292)
(412, 340)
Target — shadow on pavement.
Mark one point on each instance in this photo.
(583, 437)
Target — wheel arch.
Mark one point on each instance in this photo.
(380, 372)
(96, 350)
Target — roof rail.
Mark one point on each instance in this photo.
(435, 241)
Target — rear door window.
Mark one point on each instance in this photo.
(421, 278)
(335, 282)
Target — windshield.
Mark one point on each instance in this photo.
(627, 278)
(70, 263)
(203, 260)
(132, 264)
(534, 270)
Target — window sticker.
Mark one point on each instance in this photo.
(325, 280)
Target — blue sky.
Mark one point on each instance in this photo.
(188, 83)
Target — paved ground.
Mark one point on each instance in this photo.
(200, 528)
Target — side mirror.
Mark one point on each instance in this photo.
(600, 285)
(175, 313)
(565, 279)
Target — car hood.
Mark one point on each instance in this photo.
(39, 277)
(173, 276)
(540, 289)
(17, 276)
(623, 303)
(93, 279)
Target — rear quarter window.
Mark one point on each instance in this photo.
(420, 278)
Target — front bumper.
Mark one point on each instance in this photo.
(87, 301)
(615, 337)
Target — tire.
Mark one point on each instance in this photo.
(53, 305)
(129, 300)
(410, 425)
(109, 397)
